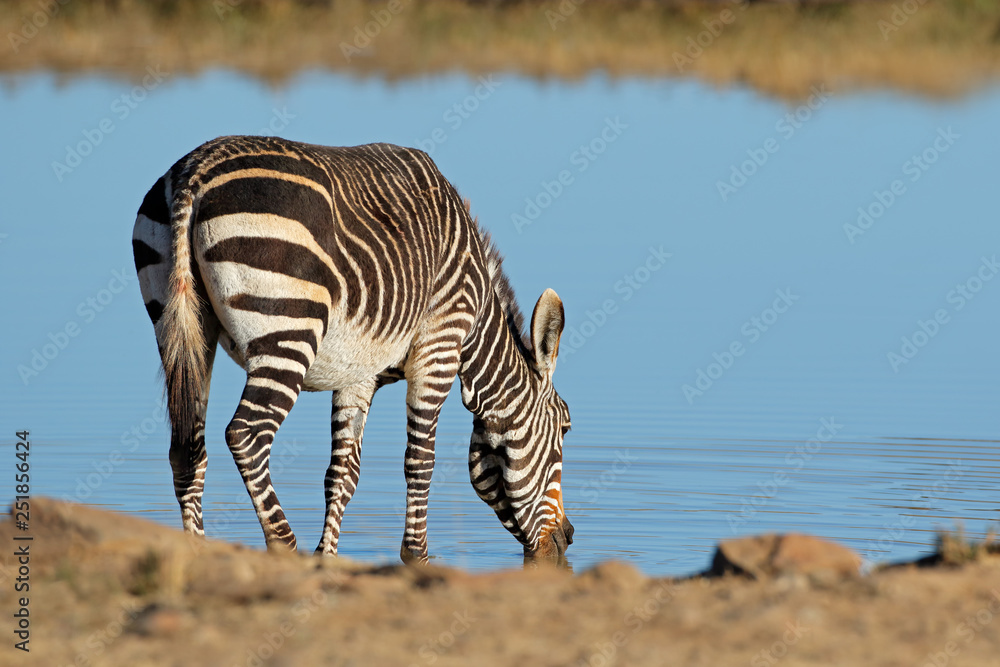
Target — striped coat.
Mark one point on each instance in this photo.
(342, 270)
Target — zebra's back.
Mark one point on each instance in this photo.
(342, 250)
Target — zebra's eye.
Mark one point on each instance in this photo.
(566, 428)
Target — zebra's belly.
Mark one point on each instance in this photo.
(341, 361)
(345, 358)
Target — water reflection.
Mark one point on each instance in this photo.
(803, 420)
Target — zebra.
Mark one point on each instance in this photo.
(345, 269)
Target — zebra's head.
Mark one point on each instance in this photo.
(516, 458)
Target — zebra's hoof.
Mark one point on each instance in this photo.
(320, 553)
(412, 557)
(281, 547)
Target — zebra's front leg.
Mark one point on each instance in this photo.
(347, 425)
(427, 388)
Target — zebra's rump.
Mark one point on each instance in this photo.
(332, 253)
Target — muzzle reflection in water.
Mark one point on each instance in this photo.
(552, 548)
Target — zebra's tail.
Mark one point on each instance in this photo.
(180, 330)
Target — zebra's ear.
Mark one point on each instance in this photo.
(547, 322)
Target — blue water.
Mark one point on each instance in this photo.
(734, 360)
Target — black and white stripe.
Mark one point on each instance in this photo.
(346, 269)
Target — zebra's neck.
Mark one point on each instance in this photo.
(496, 375)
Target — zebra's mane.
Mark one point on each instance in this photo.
(502, 287)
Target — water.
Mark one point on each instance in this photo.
(741, 384)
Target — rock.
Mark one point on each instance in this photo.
(773, 555)
(615, 576)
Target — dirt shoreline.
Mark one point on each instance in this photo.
(783, 49)
(107, 589)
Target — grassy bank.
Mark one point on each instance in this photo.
(935, 48)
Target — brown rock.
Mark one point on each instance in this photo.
(773, 555)
(807, 554)
(614, 575)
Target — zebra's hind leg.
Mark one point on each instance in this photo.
(188, 458)
(267, 397)
(152, 240)
(347, 425)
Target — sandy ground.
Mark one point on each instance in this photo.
(107, 589)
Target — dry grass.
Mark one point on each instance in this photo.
(954, 548)
(943, 48)
(112, 589)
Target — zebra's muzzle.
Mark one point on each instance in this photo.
(552, 546)
(568, 531)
